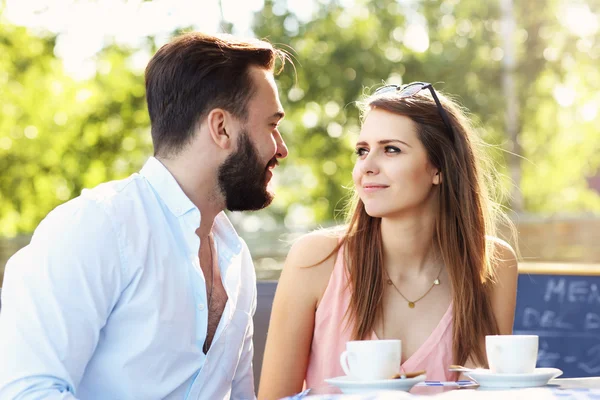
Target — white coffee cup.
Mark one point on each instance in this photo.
(512, 354)
(372, 359)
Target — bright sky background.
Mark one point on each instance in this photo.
(84, 27)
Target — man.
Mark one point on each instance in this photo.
(141, 288)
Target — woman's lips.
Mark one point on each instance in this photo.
(374, 187)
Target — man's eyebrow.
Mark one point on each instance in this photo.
(385, 141)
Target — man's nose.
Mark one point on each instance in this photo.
(282, 150)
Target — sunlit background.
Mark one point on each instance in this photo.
(73, 114)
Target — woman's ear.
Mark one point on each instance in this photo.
(437, 178)
(217, 122)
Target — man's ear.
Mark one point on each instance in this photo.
(217, 122)
(437, 178)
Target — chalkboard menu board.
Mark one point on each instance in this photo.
(564, 310)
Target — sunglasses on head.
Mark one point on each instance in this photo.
(413, 88)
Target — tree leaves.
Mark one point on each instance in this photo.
(58, 135)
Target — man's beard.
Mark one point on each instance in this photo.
(243, 179)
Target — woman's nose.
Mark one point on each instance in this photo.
(369, 165)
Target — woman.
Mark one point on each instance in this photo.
(418, 260)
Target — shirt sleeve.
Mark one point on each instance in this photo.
(243, 379)
(58, 293)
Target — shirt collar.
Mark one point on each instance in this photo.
(167, 188)
(225, 229)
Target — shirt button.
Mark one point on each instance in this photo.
(201, 307)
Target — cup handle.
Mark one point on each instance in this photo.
(344, 362)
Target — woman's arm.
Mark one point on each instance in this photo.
(504, 292)
(299, 291)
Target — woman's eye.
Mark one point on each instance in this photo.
(361, 151)
(392, 149)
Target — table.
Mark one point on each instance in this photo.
(566, 388)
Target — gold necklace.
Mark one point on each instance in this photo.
(411, 304)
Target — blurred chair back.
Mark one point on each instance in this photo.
(264, 302)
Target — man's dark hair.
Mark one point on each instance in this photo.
(196, 73)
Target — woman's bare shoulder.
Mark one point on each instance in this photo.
(314, 249)
(504, 292)
(309, 265)
(504, 255)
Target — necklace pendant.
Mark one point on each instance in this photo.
(411, 304)
(436, 282)
(389, 282)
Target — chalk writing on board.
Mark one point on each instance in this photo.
(592, 321)
(533, 318)
(592, 365)
(561, 323)
(563, 290)
(546, 357)
(564, 311)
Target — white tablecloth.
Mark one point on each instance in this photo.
(573, 388)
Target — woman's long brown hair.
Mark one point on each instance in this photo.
(467, 216)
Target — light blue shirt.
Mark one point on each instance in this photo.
(108, 301)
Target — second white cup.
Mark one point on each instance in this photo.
(512, 354)
(372, 359)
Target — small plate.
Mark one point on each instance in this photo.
(487, 379)
(349, 385)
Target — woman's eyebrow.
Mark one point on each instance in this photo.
(385, 141)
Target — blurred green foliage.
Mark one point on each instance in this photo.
(58, 135)
(343, 53)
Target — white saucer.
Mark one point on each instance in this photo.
(349, 385)
(487, 379)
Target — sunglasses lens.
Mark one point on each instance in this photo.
(387, 89)
(411, 90)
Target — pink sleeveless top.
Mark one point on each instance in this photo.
(331, 333)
